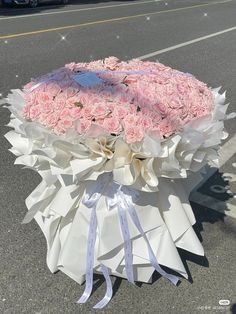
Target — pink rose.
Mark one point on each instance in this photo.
(71, 91)
(52, 120)
(62, 97)
(111, 106)
(65, 113)
(71, 66)
(58, 129)
(84, 98)
(199, 111)
(120, 112)
(169, 90)
(75, 113)
(130, 120)
(66, 123)
(111, 63)
(99, 121)
(145, 122)
(185, 114)
(52, 88)
(133, 134)
(145, 111)
(31, 99)
(175, 103)
(129, 79)
(155, 116)
(112, 125)
(70, 102)
(160, 107)
(44, 97)
(83, 125)
(132, 109)
(93, 99)
(59, 105)
(35, 112)
(100, 110)
(42, 118)
(182, 88)
(87, 112)
(162, 80)
(46, 107)
(161, 67)
(26, 112)
(167, 127)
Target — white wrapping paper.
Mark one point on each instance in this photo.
(163, 172)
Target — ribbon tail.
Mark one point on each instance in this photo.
(127, 243)
(106, 299)
(90, 257)
(172, 278)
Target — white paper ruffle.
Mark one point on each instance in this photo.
(164, 172)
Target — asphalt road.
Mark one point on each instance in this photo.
(34, 42)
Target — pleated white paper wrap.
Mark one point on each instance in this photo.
(163, 173)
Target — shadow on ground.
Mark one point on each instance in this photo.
(233, 308)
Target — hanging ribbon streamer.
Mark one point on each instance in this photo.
(114, 200)
(90, 200)
(135, 219)
(108, 294)
(127, 241)
(121, 198)
(90, 252)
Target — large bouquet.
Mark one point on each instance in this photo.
(119, 146)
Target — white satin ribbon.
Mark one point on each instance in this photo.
(90, 200)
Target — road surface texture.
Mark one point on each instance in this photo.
(195, 36)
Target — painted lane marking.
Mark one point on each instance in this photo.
(190, 42)
(78, 10)
(108, 20)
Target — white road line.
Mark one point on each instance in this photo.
(190, 42)
(78, 10)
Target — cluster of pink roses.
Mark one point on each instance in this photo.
(132, 98)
